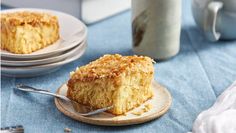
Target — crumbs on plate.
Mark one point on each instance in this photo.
(146, 108)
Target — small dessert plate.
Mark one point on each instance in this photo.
(72, 32)
(64, 55)
(160, 103)
(31, 71)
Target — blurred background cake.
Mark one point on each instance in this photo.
(26, 32)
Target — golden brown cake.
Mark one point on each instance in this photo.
(26, 32)
(121, 81)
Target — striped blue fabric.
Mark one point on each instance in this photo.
(195, 77)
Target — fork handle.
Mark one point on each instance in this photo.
(12, 129)
(40, 91)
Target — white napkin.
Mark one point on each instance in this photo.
(221, 117)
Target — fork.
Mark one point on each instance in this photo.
(79, 108)
(12, 129)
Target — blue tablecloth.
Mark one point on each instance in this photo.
(195, 77)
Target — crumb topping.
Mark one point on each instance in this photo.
(111, 66)
(27, 17)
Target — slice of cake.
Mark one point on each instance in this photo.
(121, 81)
(26, 32)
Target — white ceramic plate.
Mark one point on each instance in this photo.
(49, 60)
(72, 32)
(161, 103)
(30, 71)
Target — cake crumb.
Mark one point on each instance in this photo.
(146, 108)
(138, 113)
(67, 130)
(125, 114)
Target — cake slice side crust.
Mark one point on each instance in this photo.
(98, 93)
(136, 87)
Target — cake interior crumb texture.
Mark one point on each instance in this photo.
(25, 32)
(121, 81)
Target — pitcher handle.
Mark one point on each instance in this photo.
(210, 20)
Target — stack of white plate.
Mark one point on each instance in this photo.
(68, 48)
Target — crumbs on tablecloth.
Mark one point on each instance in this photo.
(67, 130)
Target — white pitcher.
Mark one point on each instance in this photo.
(216, 18)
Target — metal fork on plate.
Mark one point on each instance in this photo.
(81, 109)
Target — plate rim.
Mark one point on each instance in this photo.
(47, 60)
(116, 122)
(53, 52)
(31, 75)
(56, 64)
